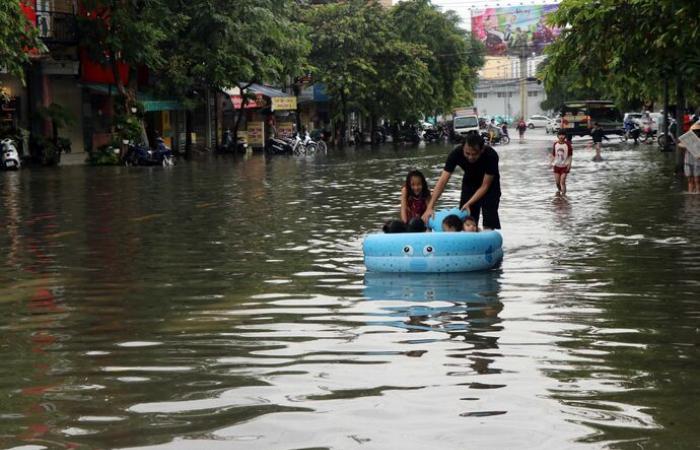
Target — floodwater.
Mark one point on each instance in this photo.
(224, 304)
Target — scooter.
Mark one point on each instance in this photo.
(312, 146)
(228, 146)
(279, 146)
(140, 155)
(10, 156)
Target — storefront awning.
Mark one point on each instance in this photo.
(150, 103)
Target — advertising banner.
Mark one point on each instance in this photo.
(256, 134)
(515, 30)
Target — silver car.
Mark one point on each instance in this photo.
(537, 121)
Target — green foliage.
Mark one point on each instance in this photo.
(129, 127)
(624, 49)
(221, 44)
(47, 151)
(17, 38)
(106, 155)
(454, 55)
(404, 63)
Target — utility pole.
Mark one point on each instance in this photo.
(523, 83)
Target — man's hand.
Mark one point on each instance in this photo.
(466, 207)
(427, 215)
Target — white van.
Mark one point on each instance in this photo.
(465, 124)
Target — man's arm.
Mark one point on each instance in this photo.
(404, 204)
(479, 194)
(437, 192)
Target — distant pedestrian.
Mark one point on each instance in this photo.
(522, 126)
(691, 164)
(561, 158)
(598, 135)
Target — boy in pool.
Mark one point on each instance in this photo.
(470, 224)
(452, 223)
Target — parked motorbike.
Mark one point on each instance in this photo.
(279, 146)
(434, 134)
(228, 146)
(310, 146)
(10, 156)
(140, 155)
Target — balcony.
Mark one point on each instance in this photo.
(55, 20)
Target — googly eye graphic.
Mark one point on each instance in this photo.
(428, 250)
(408, 250)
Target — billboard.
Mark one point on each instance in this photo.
(515, 30)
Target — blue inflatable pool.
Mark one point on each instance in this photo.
(433, 251)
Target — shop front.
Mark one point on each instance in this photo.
(266, 112)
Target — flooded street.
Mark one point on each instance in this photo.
(224, 304)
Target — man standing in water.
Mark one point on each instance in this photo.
(481, 184)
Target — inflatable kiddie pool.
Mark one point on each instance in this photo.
(433, 251)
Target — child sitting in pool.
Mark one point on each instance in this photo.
(470, 224)
(452, 223)
(415, 196)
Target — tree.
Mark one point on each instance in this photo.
(626, 49)
(125, 33)
(365, 64)
(18, 39)
(222, 44)
(455, 56)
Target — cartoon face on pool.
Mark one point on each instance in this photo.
(427, 250)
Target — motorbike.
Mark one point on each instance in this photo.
(310, 146)
(10, 156)
(434, 134)
(279, 146)
(495, 136)
(227, 146)
(632, 132)
(646, 133)
(140, 155)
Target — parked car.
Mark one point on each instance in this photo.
(577, 118)
(537, 121)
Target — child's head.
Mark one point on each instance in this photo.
(452, 223)
(416, 225)
(416, 184)
(470, 224)
(561, 136)
(394, 226)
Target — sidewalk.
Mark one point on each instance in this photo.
(73, 159)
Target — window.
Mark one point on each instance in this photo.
(533, 93)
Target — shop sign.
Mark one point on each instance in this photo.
(257, 102)
(284, 103)
(285, 129)
(256, 134)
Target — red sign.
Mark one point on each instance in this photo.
(257, 102)
(94, 72)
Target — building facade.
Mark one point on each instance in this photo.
(498, 92)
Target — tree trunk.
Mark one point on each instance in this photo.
(188, 133)
(344, 119)
(239, 117)
(680, 109)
